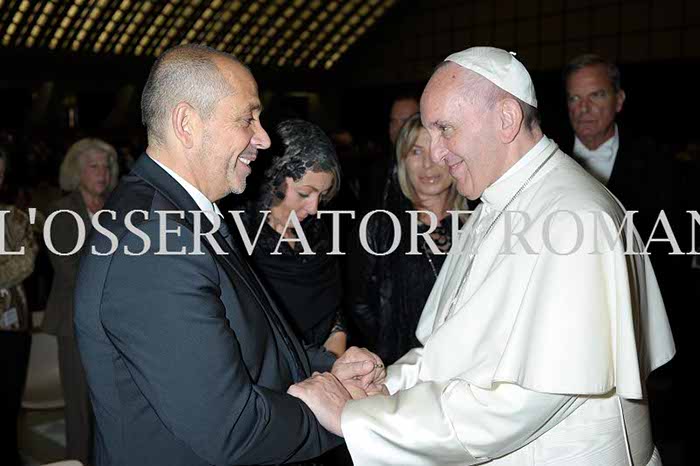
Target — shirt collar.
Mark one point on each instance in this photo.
(504, 188)
(204, 204)
(605, 151)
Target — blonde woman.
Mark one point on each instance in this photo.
(385, 303)
(88, 172)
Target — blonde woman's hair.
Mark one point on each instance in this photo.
(69, 176)
(404, 143)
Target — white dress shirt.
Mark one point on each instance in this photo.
(204, 204)
(598, 162)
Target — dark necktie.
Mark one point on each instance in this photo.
(226, 233)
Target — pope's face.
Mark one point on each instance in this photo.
(593, 104)
(462, 132)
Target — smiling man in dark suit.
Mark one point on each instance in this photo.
(187, 360)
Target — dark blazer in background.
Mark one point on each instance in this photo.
(187, 359)
(641, 177)
(644, 179)
(58, 320)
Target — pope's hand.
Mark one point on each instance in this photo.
(359, 364)
(325, 396)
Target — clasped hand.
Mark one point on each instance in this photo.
(357, 374)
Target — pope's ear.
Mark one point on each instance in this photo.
(184, 121)
(511, 117)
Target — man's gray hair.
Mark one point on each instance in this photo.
(185, 73)
(591, 59)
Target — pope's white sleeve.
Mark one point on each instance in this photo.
(403, 374)
(449, 423)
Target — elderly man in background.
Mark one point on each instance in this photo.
(535, 350)
(187, 359)
(594, 98)
(626, 162)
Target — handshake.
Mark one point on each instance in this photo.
(357, 374)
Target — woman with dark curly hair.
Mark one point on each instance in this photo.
(304, 173)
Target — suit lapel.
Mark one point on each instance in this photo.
(235, 263)
(627, 179)
(619, 168)
(236, 266)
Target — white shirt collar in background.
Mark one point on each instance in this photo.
(598, 162)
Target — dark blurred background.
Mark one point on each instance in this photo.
(71, 69)
(52, 96)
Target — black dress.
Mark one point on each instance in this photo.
(386, 294)
(307, 288)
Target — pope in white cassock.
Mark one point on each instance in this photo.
(540, 332)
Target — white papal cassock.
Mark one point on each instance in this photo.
(544, 357)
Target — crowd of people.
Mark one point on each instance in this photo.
(267, 348)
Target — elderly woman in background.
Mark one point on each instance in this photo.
(386, 293)
(15, 319)
(304, 173)
(89, 172)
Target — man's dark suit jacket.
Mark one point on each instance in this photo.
(187, 359)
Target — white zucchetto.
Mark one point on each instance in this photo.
(499, 67)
